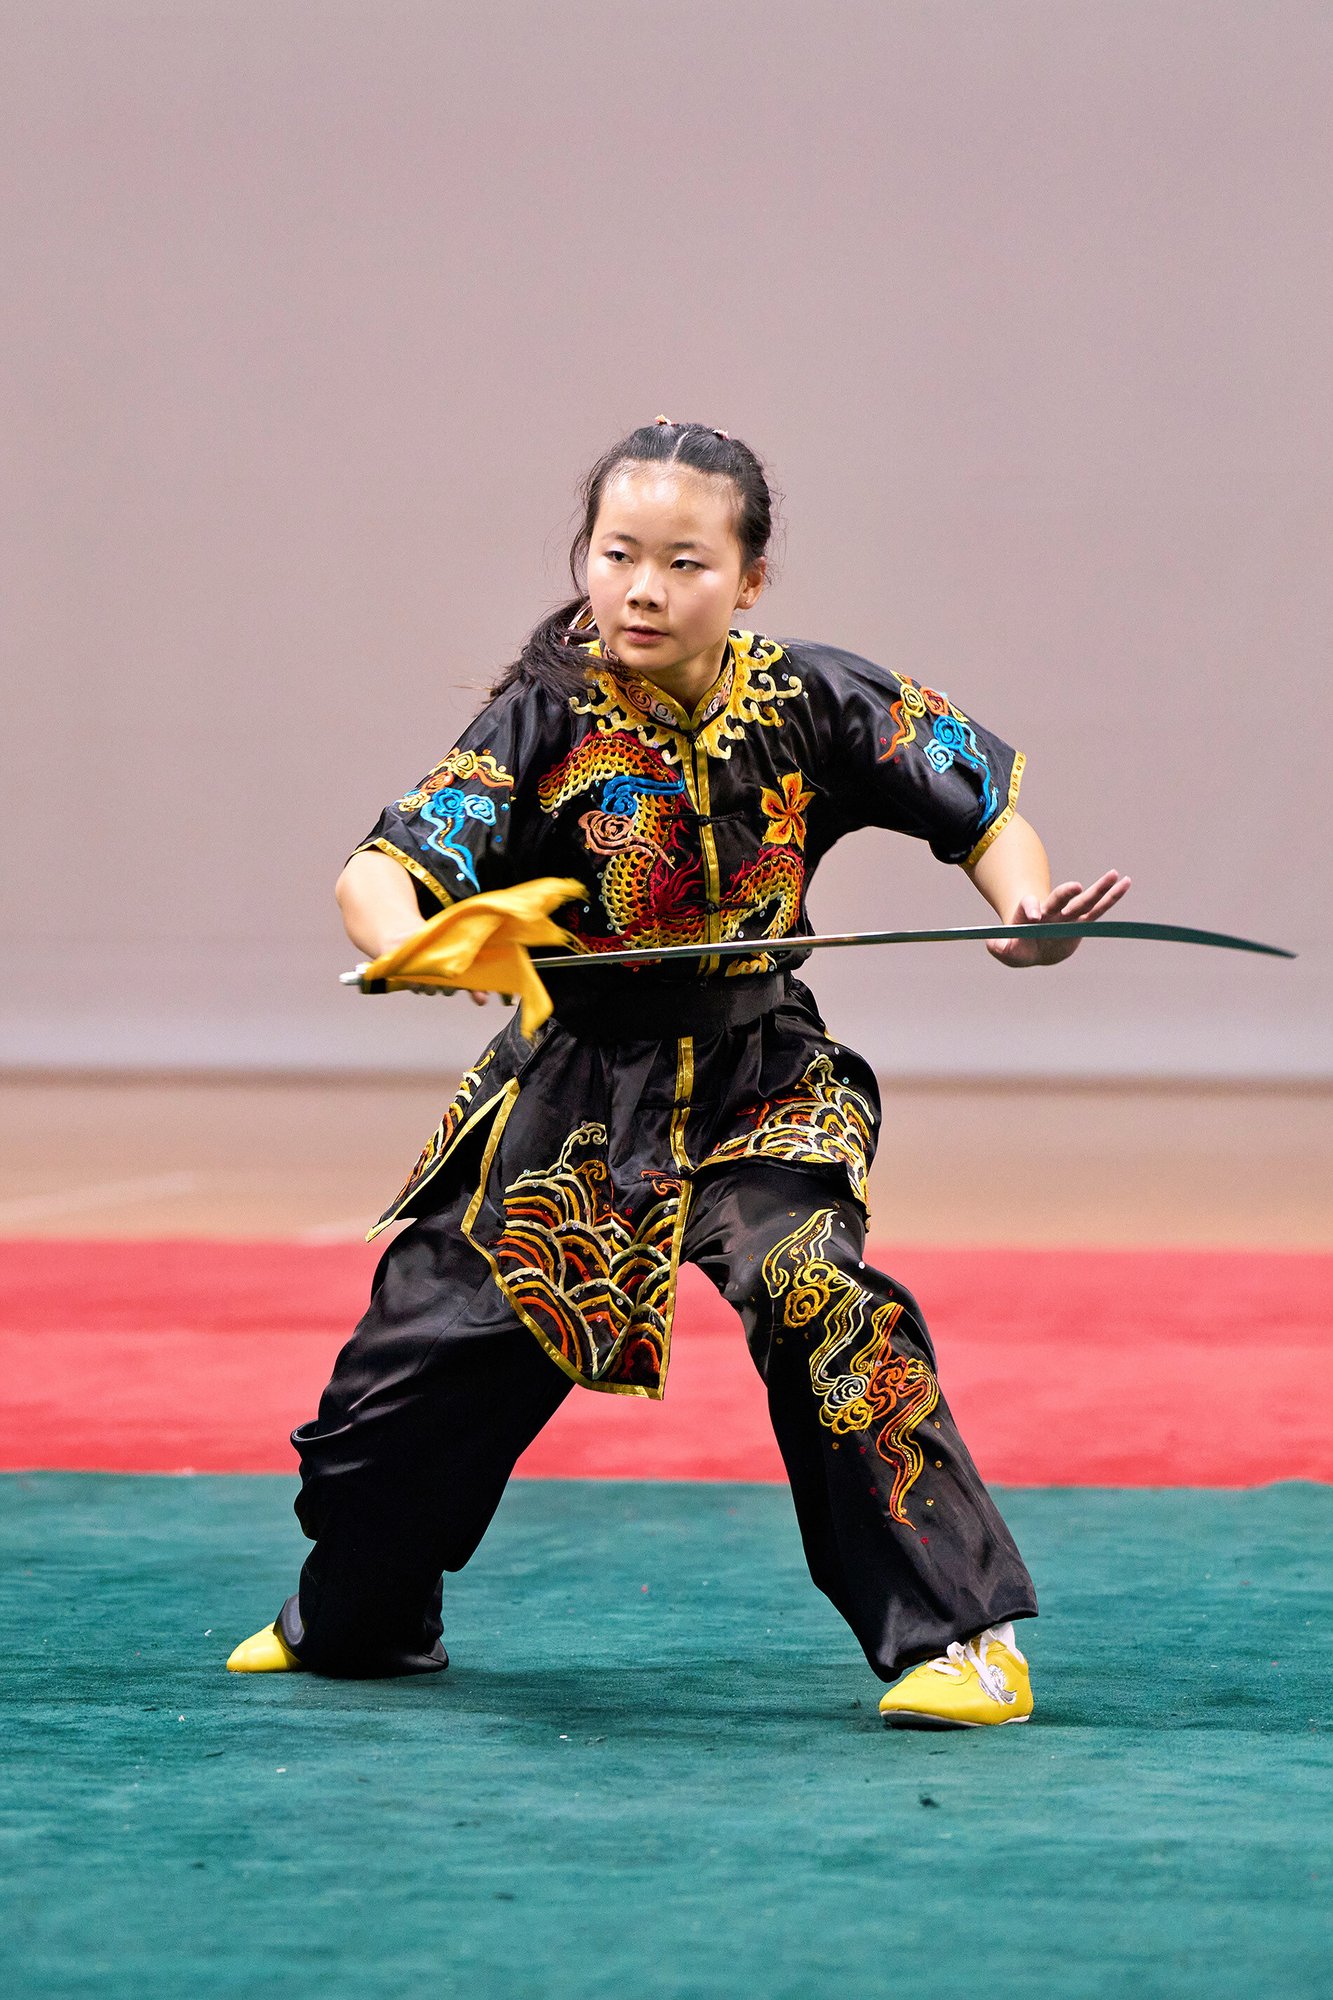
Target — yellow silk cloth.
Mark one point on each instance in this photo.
(482, 945)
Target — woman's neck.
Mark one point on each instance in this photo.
(689, 680)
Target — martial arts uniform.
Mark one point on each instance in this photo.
(694, 1111)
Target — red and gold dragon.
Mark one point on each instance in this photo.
(651, 870)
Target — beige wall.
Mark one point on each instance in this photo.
(317, 310)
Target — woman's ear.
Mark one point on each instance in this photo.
(752, 583)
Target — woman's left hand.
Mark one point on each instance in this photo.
(1070, 903)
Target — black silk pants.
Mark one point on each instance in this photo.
(441, 1388)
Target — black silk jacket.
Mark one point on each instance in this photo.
(685, 829)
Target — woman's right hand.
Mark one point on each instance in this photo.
(477, 999)
(379, 911)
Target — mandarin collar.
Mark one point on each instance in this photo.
(654, 702)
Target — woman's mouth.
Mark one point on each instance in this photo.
(643, 634)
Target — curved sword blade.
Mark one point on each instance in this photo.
(966, 934)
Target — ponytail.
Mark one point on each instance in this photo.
(550, 658)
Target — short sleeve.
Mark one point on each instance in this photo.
(451, 830)
(912, 761)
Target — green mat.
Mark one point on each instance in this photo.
(656, 1768)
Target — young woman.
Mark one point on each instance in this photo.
(692, 776)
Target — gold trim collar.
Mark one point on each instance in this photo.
(744, 692)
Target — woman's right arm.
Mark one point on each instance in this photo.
(443, 841)
(378, 901)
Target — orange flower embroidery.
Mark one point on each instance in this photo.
(785, 810)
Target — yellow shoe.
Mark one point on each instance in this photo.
(968, 1687)
(265, 1652)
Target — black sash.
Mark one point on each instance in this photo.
(611, 1008)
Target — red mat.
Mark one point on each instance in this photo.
(1064, 1367)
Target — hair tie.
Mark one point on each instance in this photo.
(672, 425)
(580, 624)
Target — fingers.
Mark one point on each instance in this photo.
(1111, 897)
(1072, 903)
(1101, 896)
(1069, 902)
(1060, 900)
(477, 998)
(1097, 889)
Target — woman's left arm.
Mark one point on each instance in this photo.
(1014, 876)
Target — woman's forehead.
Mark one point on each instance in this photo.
(667, 503)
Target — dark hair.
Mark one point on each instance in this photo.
(548, 659)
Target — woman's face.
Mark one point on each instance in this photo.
(664, 568)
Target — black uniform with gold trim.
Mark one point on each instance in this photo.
(691, 1109)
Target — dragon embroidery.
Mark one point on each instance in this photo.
(651, 880)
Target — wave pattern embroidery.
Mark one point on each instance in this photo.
(858, 1377)
(822, 1122)
(596, 1287)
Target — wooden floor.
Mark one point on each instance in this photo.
(959, 1162)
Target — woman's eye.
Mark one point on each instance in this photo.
(685, 562)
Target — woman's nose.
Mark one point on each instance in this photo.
(645, 589)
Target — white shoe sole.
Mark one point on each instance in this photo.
(906, 1718)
